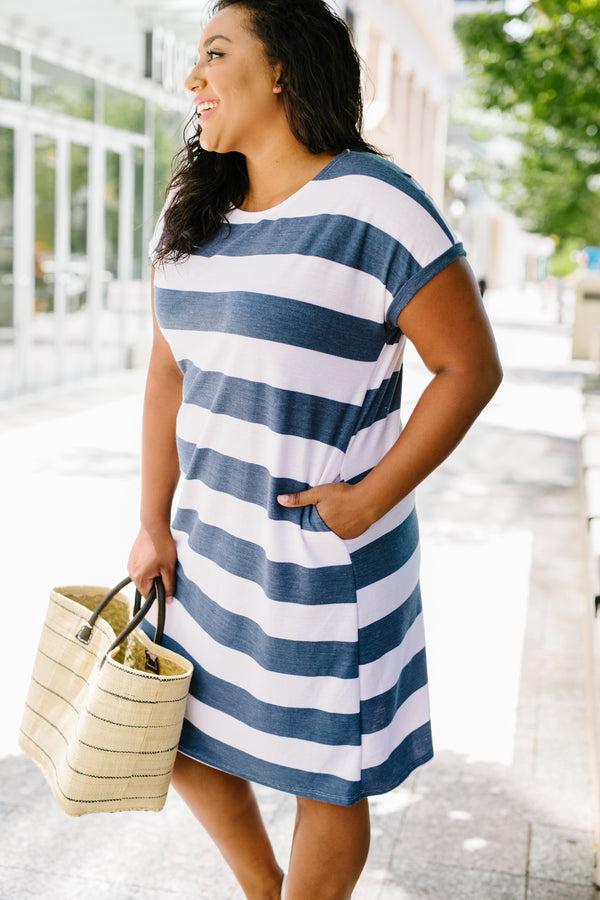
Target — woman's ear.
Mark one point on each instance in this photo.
(279, 79)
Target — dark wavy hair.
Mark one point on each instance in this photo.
(323, 103)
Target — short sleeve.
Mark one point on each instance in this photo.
(425, 246)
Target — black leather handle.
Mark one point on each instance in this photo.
(140, 611)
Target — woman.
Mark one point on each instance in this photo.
(291, 264)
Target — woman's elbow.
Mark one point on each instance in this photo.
(490, 377)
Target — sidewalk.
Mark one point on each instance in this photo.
(505, 811)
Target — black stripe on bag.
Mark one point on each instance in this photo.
(123, 724)
(72, 640)
(98, 777)
(77, 772)
(57, 662)
(92, 746)
(48, 722)
(128, 752)
(56, 694)
(135, 700)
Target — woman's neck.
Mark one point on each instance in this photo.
(275, 176)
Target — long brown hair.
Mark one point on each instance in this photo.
(323, 104)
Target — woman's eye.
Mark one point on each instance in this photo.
(213, 54)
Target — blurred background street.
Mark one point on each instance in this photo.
(494, 107)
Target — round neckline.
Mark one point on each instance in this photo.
(237, 215)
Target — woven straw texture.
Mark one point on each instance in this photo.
(105, 736)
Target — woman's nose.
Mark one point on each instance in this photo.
(194, 79)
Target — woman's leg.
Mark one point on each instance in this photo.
(227, 808)
(329, 850)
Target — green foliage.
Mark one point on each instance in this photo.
(542, 69)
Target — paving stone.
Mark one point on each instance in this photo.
(562, 856)
(553, 890)
(432, 882)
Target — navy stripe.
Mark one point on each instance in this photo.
(413, 752)
(336, 238)
(246, 481)
(333, 659)
(378, 712)
(386, 634)
(285, 582)
(387, 554)
(270, 318)
(359, 163)
(382, 401)
(323, 727)
(327, 788)
(289, 412)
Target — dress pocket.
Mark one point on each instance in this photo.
(311, 520)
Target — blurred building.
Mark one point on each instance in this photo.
(88, 129)
(91, 114)
(411, 56)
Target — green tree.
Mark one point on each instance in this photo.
(541, 67)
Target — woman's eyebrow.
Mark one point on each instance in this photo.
(216, 37)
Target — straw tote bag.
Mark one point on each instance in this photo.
(105, 706)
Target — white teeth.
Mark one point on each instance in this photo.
(203, 107)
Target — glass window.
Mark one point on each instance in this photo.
(139, 251)
(168, 139)
(77, 283)
(44, 368)
(111, 217)
(10, 72)
(45, 198)
(123, 110)
(61, 90)
(7, 158)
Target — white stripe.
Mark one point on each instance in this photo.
(305, 755)
(287, 456)
(413, 714)
(282, 541)
(378, 600)
(287, 621)
(278, 365)
(326, 693)
(382, 674)
(368, 447)
(385, 206)
(296, 277)
(397, 514)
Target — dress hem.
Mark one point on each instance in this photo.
(320, 795)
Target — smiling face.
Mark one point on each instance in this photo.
(235, 86)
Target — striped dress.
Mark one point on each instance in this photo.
(309, 656)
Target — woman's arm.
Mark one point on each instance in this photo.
(153, 552)
(447, 324)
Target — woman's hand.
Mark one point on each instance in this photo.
(151, 556)
(341, 506)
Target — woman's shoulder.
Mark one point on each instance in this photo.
(369, 165)
(358, 166)
(374, 185)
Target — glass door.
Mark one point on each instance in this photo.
(76, 274)
(44, 356)
(7, 243)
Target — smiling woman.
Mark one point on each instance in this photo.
(292, 262)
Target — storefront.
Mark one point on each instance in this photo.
(84, 160)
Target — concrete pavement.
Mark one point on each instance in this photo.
(505, 811)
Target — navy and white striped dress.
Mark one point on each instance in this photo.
(310, 673)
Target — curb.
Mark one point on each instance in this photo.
(590, 483)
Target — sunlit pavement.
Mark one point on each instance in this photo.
(505, 811)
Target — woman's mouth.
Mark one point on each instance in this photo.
(205, 109)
